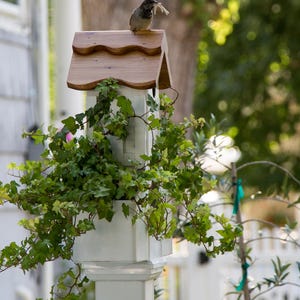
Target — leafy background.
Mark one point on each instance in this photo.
(248, 76)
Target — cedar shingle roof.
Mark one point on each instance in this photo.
(137, 60)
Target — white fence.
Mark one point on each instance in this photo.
(186, 278)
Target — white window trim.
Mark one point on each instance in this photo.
(14, 16)
(10, 8)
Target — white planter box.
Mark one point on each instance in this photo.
(118, 250)
(119, 240)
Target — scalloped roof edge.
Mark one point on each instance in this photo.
(137, 60)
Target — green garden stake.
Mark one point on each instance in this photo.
(238, 196)
(242, 283)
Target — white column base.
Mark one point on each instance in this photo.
(121, 258)
(117, 280)
(123, 271)
(133, 290)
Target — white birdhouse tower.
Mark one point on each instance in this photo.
(120, 257)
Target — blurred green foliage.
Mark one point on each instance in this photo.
(249, 74)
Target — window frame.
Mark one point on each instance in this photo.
(11, 9)
(13, 14)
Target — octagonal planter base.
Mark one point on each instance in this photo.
(121, 258)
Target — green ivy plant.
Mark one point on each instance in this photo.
(80, 176)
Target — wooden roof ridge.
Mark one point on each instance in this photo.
(137, 60)
(119, 42)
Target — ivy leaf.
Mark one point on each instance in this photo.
(98, 136)
(38, 136)
(102, 192)
(154, 122)
(79, 118)
(125, 106)
(57, 207)
(85, 225)
(13, 187)
(12, 166)
(153, 105)
(125, 209)
(71, 124)
(145, 157)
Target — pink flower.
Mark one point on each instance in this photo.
(69, 136)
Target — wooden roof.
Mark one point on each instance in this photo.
(137, 60)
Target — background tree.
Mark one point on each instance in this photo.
(249, 73)
(182, 25)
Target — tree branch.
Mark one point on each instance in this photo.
(265, 162)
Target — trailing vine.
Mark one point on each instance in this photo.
(79, 176)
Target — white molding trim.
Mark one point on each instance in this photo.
(10, 8)
(14, 17)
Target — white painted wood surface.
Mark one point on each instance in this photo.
(67, 20)
(19, 110)
(24, 102)
(13, 282)
(15, 89)
(121, 258)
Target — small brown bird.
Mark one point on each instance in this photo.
(142, 16)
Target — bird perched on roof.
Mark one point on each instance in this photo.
(142, 16)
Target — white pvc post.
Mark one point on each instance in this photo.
(47, 279)
(67, 20)
(67, 15)
(43, 64)
(120, 257)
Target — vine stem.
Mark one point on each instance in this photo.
(265, 162)
(292, 241)
(241, 242)
(273, 287)
(261, 221)
(288, 203)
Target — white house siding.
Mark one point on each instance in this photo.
(17, 90)
(24, 93)
(16, 87)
